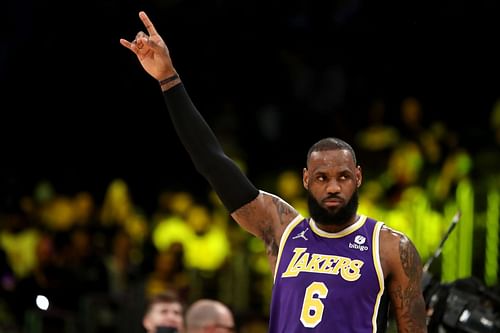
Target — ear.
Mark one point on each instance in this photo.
(359, 177)
(305, 178)
(146, 323)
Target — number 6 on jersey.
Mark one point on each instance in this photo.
(312, 308)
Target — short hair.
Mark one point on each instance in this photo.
(205, 312)
(331, 143)
(166, 296)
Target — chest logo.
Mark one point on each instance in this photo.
(306, 262)
(301, 234)
(360, 239)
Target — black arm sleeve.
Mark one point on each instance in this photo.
(229, 182)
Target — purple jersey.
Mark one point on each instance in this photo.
(327, 282)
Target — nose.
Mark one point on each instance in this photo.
(333, 186)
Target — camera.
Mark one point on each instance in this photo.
(463, 306)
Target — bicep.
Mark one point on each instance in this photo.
(265, 217)
(405, 276)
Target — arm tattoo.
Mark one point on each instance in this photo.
(409, 300)
(271, 245)
(266, 233)
(409, 258)
(283, 210)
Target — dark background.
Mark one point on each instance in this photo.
(78, 109)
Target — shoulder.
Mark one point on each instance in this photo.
(391, 237)
(397, 251)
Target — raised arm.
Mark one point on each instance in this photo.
(403, 270)
(232, 186)
(255, 211)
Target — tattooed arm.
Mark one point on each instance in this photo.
(266, 217)
(403, 273)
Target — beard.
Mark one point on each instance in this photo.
(327, 216)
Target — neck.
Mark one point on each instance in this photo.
(334, 228)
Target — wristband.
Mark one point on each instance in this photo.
(169, 79)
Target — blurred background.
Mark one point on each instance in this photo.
(101, 206)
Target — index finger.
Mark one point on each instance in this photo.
(147, 23)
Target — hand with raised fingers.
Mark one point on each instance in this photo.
(151, 51)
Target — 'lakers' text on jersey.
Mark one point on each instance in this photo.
(318, 273)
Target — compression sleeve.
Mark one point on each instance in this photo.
(229, 182)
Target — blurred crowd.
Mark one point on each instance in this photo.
(95, 263)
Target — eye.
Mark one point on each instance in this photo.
(345, 176)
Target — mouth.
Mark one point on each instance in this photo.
(333, 202)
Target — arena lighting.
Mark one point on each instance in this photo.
(42, 302)
(463, 306)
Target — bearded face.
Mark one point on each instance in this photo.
(332, 216)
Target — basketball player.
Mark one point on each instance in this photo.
(334, 271)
